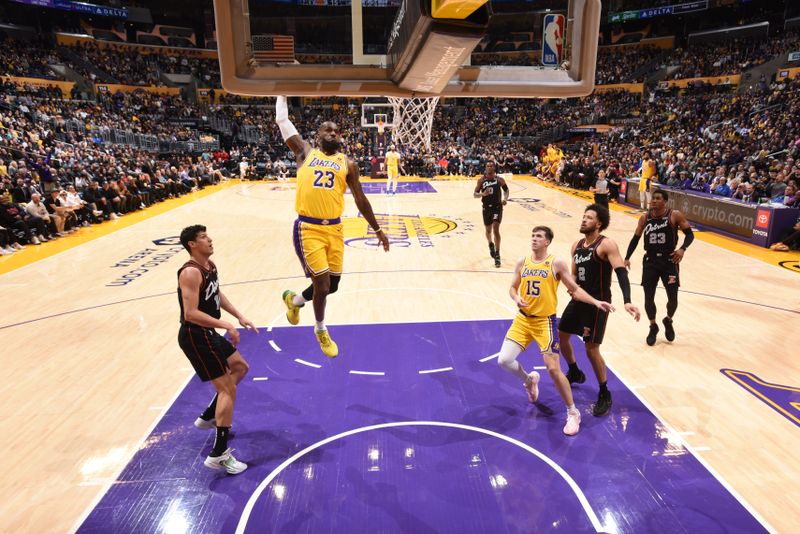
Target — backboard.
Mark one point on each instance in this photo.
(401, 48)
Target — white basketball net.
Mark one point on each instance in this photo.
(413, 120)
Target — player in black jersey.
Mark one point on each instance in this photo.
(593, 259)
(212, 356)
(488, 190)
(661, 258)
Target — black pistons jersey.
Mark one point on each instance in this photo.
(593, 274)
(209, 290)
(660, 235)
(493, 186)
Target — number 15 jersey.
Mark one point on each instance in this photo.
(538, 286)
(321, 183)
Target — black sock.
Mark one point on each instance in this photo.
(209, 412)
(573, 367)
(308, 293)
(604, 387)
(221, 441)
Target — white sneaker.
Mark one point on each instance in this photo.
(573, 422)
(114, 216)
(202, 424)
(227, 462)
(97, 213)
(3, 252)
(43, 239)
(9, 250)
(533, 388)
(17, 246)
(35, 240)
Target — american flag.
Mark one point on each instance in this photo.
(273, 48)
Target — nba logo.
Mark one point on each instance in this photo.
(762, 219)
(552, 40)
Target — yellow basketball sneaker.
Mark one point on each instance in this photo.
(292, 311)
(328, 346)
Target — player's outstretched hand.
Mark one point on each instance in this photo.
(383, 239)
(633, 310)
(605, 306)
(248, 324)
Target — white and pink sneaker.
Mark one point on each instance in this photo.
(533, 387)
(573, 422)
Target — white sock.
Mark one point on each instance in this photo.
(320, 326)
(298, 300)
(571, 408)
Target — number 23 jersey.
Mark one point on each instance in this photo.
(321, 183)
(538, 286)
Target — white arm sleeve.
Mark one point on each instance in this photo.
(282, 118)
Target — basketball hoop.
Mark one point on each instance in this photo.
(413, 121)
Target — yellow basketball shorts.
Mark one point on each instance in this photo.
(543, 330)
(392, 172)
(319, 247)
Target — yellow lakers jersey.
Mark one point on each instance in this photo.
(538, 287)
(392, 158)
(321, 183)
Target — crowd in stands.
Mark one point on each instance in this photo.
(615, 64)
(621, 64)
(627, 64)
(127, 65)
(730, 57)
(20, 58)
(324, 59)
(745, 146)
(742, 146)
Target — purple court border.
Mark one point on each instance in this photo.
(782, 398)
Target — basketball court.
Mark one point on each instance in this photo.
(413, 427)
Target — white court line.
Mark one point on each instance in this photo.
(539, 367)
(314, 365)
(490, 357)
(702, 448)
(274, 346)
(260, 378)
(438, 289)
(499, 318)
(699, 458)
(441, 370)
(123, 465)
(272, 323)
(248, 509)
(371, 373)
